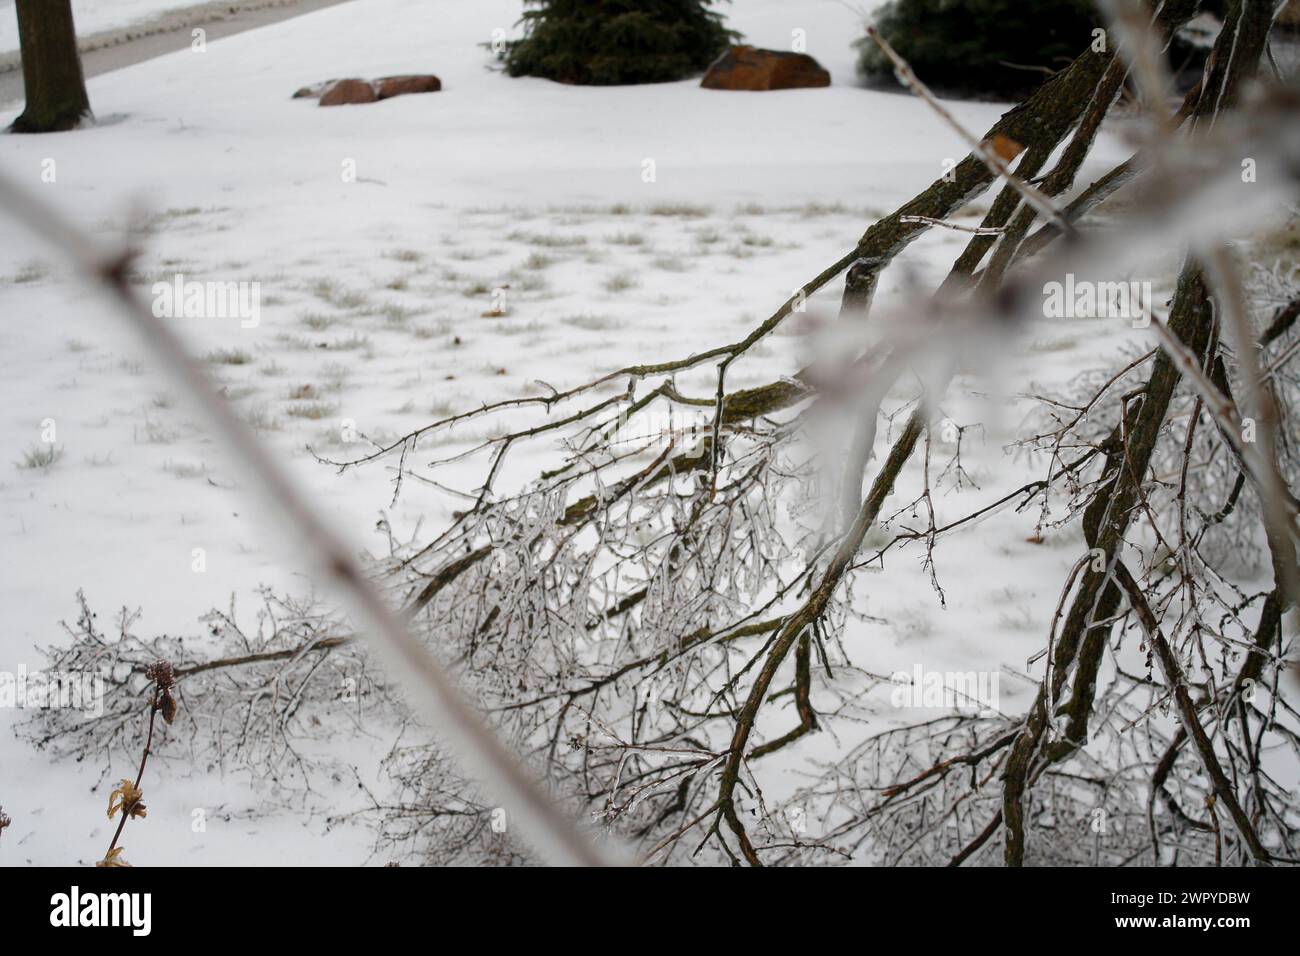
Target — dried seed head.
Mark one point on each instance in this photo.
(127, 798)
(168, 706)
(4, 819)
(161, 674)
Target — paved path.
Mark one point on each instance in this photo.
(114, 49)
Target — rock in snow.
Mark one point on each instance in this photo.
(748, 68)
(354, 90)
(342, 92)
(387, 86)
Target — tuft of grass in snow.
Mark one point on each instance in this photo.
(39, 458)
(592, 323)
(229, 357)
(547, 241)
(1017, 619)
(182, 470)
(507, 329)
(312, 411)
(441, 408)
(317, 321)
(1063, 344)
(913, 624)
(397, 315)
(155, 434)
(814, 210)
(32, 272)
(167, 216)
(620, 282)
(521, 282)
(1011, 595)
(261, 419)
(432, 331)
(295, 343)
(473, 255)
(685, 210)
(577, 213)
(355, 341)
(332, 293)
(334, 375)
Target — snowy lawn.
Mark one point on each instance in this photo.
(373, 302)
(99, 16)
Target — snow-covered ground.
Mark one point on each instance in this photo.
(372, 300)
(100, 16)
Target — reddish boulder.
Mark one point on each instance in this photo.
(341, 92)
(748, 68)
(388, 86)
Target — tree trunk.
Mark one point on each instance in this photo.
(56, 90)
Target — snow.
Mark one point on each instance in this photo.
(96, 16)
(373, 293)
